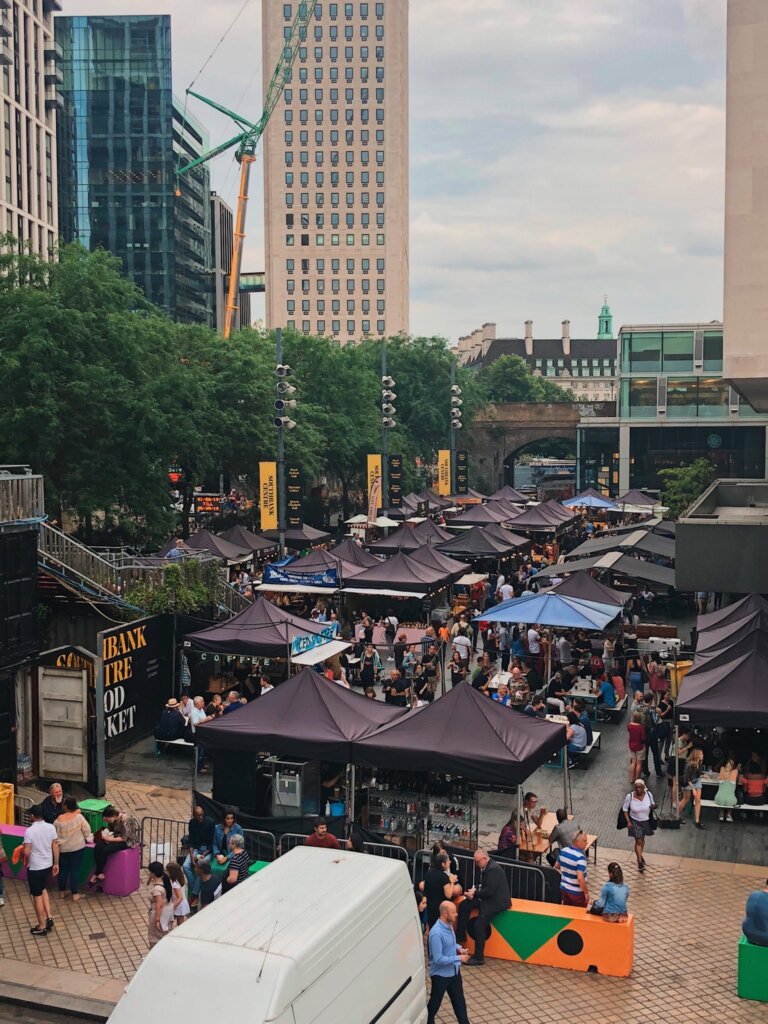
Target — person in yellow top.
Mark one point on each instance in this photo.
(74, 833)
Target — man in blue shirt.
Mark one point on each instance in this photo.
(445, 959)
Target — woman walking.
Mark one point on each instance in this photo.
(179, 899)
(636, 741)
(73, 832)
(693, 785)
(638, 814)
(160, 915)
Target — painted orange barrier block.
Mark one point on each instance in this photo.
(557, 936)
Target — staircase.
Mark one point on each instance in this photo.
(102, 579)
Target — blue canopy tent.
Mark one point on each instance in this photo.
(590, 499)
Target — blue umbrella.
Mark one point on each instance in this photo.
(588, 500)
(551, 609)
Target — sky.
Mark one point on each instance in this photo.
(560, 150)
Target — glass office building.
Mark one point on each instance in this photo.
(118, 143)
(674, 408)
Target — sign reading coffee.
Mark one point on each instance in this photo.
(136, 670)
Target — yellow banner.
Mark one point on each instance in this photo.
(268, 494)
(444, 472)
(374, 484)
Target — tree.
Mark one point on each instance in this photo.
(681, 486)
(508, 379)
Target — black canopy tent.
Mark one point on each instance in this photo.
(262, 630)
(320, 559)
(587, 588)
(507, 493)
(242, 538)
(351, 552)
(480, 515)
(636, 497)
(399, 576)
(480, 542)
(544, 519)
(729, 636)
(463, 733)
(731, 613)
(299, 537)
(435, 559)
(307, 716)
(404, 538)
(728, 689)
(206, 541)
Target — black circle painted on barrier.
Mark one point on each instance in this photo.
(570, 942)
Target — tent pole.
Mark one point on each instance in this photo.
(676, 741)
(351, 795)
(519, 815)
(566, 777)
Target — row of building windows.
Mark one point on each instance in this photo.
(365, 327)
(333, 116)
(333, 54)
(560, 363)
(365, 239)
(333, 179)
(319, 283)
(333, 75)
(333, 10)
(333, 33)
(306, 306)
(333, 95)
(363, 157)
(671, 351)
(334, 197)
(365, 266)
(349, 220)
(682, 397)
(334, 135)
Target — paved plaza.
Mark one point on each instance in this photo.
(688, 915)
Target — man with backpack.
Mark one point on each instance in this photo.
(390, 624)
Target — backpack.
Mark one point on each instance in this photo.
(389, 628)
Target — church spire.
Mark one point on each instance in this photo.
(605, 328)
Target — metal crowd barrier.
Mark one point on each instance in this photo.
(161, 839)
(21, 806)
(288, 841)
(526, 881)
(384, 850)
(260, 845)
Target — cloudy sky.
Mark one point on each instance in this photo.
(560, 150)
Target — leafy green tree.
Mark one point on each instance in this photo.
(508, 379)
(682, 485)
(184, 587)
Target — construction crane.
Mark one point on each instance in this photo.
(245, 143)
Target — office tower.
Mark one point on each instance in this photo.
(222, 228)
(29, 79)
(746, 201)
(336, 172)
(122, 136)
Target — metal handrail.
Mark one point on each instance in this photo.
(260, 845)
(526, 881)
(75, 558)
(161, 839)
(294, 839)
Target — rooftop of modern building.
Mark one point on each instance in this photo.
(709, 325)
(731, 502)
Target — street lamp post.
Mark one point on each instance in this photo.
(283, 404)
(456, 404)
(388, 411)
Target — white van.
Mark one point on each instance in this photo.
(317, 937)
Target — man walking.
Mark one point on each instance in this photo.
(41, 856)
(490, 897)
(445, 959)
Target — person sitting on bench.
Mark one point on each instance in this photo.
(755, 924)
(172, 724)
(490, 897)
(577, 738)
(116, 835)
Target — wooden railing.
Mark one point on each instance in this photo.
(22, 497)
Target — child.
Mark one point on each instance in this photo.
(611, 904)
(179, 892)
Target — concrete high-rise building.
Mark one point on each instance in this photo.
(122, 136)
(746, 201)
(336, 172)
(29, 80)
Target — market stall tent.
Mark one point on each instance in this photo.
(464, 734)
(242, 538)
(549, 608)
(590, 499)
(206, 541)
(507, 493)
(636, 497)
(729, 636)
(400, 575)
(435, 559)
(320, 559)
(262, 630)
(351, 552)
(480, 515)
(729, 689)
(402, 539)
(732, 612)
(587, 588)
(479, 543)
(307, 716)
(618, 564)
(298, 537)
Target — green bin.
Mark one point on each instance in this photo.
(92, 811)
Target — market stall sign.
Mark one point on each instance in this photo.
(275, 574)
(207, 504)
(302, 644)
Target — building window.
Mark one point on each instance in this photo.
(713, 350)
(677, 351)
(712, 397)
(638, 398)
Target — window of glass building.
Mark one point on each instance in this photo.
(677, 351)
(638, 398)
(641, 352)
(681, 397)
(712, 397)
(713, 350)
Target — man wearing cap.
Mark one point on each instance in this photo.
(172, 724)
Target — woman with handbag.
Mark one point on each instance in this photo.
(638, 813)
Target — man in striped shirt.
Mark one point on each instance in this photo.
(572, 865)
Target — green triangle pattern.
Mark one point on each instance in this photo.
(527, 933)
(9, 844)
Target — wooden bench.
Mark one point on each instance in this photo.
(736, 807)
(580, 759)
(549, 935)
(614, 714)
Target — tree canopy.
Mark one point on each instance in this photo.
(682, 486)
(101, 392)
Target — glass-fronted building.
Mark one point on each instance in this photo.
(119, 143)
(674, 407)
